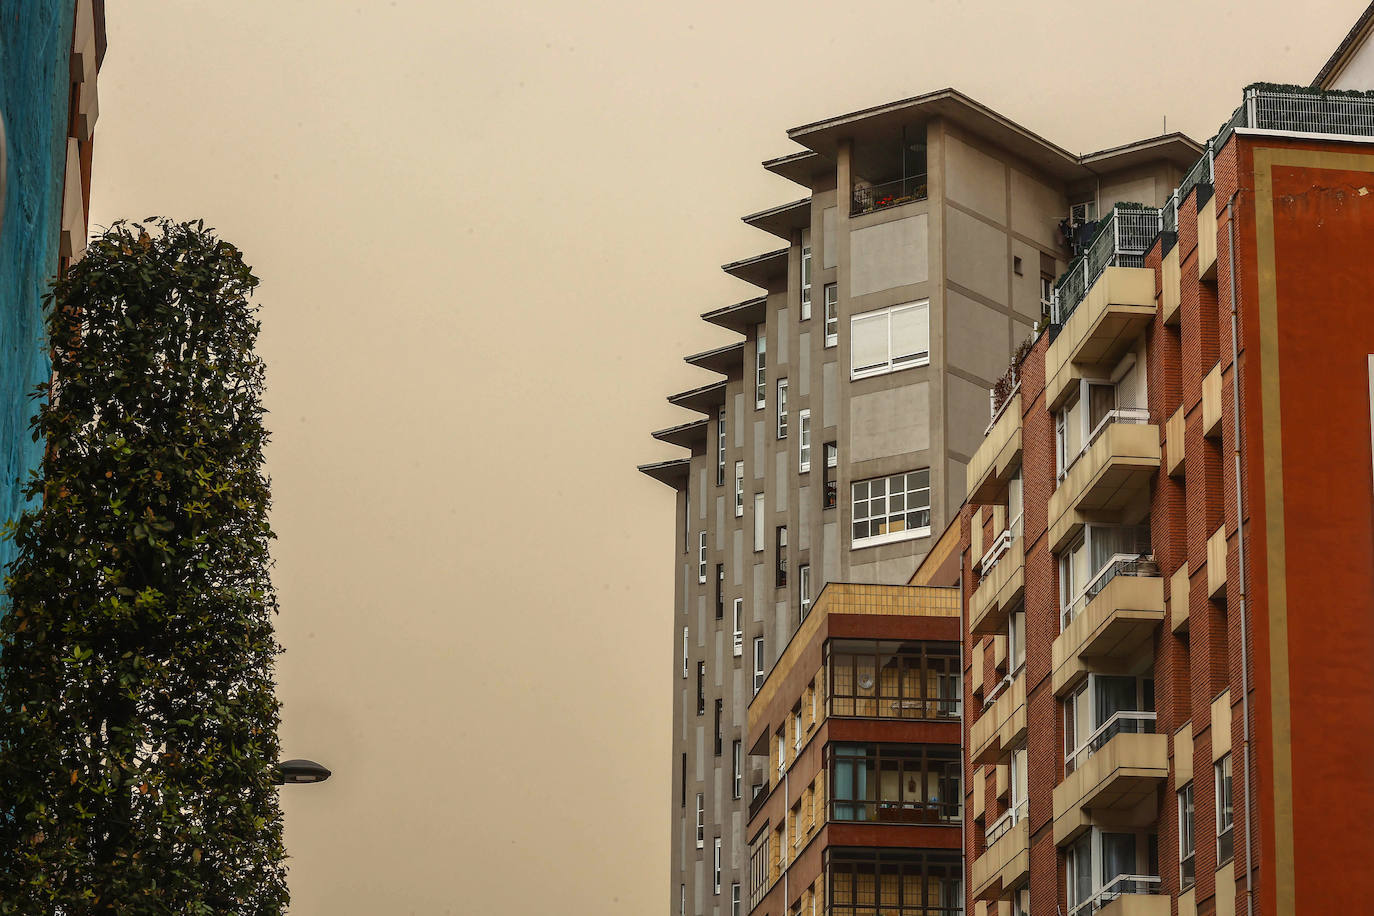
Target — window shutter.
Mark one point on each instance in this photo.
(910, 333)
(868, 342)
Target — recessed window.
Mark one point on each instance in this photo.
(737, 762)
(804, 588)
(832, 464)
(684, 653)
(804, 440)
(780, 555)
(734, 897)
(890, 339)
(720, 711)
(701, 688)
(739, 489)
(739, 626)
(782, 408)
(720, 591)
(717, 864)
(684, 780)
(805, 282)
(701, 821)
(1016, 265)
(832, 314)
(1226, 815)
(1187, 844)
(760, 367)
(701, 558)
(720, 448)
(759, 671)
(894, 508)
(759, 525)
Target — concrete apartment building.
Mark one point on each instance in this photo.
(50, 54)
(1167, 559)
(837, 437)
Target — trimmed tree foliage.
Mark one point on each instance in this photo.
(138, 716)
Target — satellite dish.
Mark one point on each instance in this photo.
(866, 681)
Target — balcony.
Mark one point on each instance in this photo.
(1002, 584)
(1112, 470)
(1113, 619)
(1006, 861)
(1178, 599)
(1127, 895)
(1216, 565)
(872, 197)
(1002, 723)
(1116, 769)
(998, 457)
(1211, 403)
(1174, 431)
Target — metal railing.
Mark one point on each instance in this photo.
(1119, 565)
(1123, 723)
(887, 909)
(1115, 415)
(895, 812)
(1121, 241)
(1000, 545)
(1002, 826)
(1199, 174)
(887, 194)
(1119, 886)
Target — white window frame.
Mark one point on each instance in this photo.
(701, 559)
(1187, 813)
(890, 537)
(701, 821)
(797, 730)
(739, 627)
(716, 858)
(893, 363)
(734, 899)
(804, 440)
(759, 665)
(805, 282)
(720, 447)
(737, 755)
(782, 408)
(831, 295)
(682, 900)
(760, 526)
(685, 660)
(804, 589)
(761, 367)
(1224, 762)
(1016, 648)
(739, 489)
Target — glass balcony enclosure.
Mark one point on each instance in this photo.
(1094, 406)
(863, 882)
(895, 783)
(1102, 866)
(893, 680)
(1098, 555)
(1103, 707)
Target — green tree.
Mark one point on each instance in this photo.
(138, 715)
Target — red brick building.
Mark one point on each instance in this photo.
(1168, 556)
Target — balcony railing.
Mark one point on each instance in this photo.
(1123, 723)
(843, 909)
(888, 194)
(895, 812)
(1117, 415)
(1119, 565)
(1122, 240)
(1002, 826)
(876, 707)
(1119, 886)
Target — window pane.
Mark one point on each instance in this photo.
(868, 342)
(910, 333)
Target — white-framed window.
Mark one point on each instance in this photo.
(739, 626)
(1226, 814)
(684, 653)
(831, 496)
(701, 821)
(1020, 902)
(889, 339)
(1016, 638)
(804, 588)
(1093, 559)
(758, 522)
(716, 858)
(682, 900)
(701, 558)
(759, 672)
(720, 448)
(805, 282)
(734, 900)
(760, 367)
(804, 440)
(739, 489)
(737, 757)
(782, 763)
(1018, 783)
(888, 509)
(1101, 708)
(782, 408)
(832, 314)
(1104, 865)
(1187, 842)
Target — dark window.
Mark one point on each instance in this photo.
(720, 591)
(893, 680)
(895, 783)
(720, 708)
(684, 779)
(832, 463)
(910, 883)
(780, 553)
(701, 688)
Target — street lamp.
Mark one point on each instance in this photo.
(298, 772)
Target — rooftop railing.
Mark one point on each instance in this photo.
(1121, 241)
(888, 194)
(1297, 109)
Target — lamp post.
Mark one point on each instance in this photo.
(301, 772)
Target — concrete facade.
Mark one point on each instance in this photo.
(935, 200)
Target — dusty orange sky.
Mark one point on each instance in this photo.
(485, 232)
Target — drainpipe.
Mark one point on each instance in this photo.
(963, 814)
(1240, 554)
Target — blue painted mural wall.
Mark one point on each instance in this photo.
(35, 48)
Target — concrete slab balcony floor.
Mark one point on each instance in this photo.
(1116, 468)
(1113, 314)
(1123, 772)
(1002, 723)
(999, 589)
(1005, 862)
(998, 456)
(1117, 622)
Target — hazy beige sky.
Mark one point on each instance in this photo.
(485, 232)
